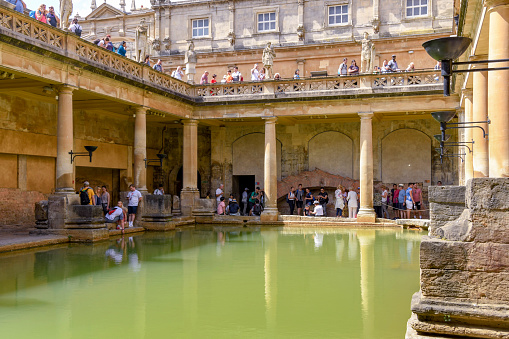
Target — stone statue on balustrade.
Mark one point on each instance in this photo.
(141, 41)
(65, 13)
(268, 58)
(190, 59)
(367, 54)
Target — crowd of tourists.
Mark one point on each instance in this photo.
(113, 214)
(251, 203)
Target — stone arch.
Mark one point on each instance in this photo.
(406, 156)
(248, 156)
(332, 152)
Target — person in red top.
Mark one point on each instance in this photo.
(213, 81)
(394, 196)
(417, 193)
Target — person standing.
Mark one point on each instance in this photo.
(105, 198)
(409, 200)
(122, 49)
(290, 198)
(147, 61)
(159, 190)
(76, 28)
(219, 193)
(343, 68)
(245, 196)
(255, 74)
(204, 78)
(40, 14)
(353, 69)
(394, 198)
(385, 195)
(352, 203)
(296, 75)
(255, 196)
(236, 74)
(178, 73)
(339, 203)
(134, 197)
(393, 65)
(87, 194)
(299, 199)
(417, 193)
(52, 18)
(323, 199)
(97, 196)
(309, 197)
(401, 201)
(158, 66)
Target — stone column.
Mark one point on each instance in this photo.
(461, 137)
(140, 149)
(498, 87)
(190, 167)
(270, 212)
(366, 211)
(65, 142)
(480, 113)
(467, 136)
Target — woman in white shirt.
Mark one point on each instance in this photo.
(352, 203)
(178, 74)
(385, 194)
(339, 204)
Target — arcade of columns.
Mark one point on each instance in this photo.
(488, 97)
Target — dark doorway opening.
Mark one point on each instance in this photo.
(240, 182)
(179, 183)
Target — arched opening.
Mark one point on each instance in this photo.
(179, 182)
(332, 152)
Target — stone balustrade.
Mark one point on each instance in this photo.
(22, 28)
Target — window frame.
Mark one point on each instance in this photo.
(192, 19)
(329, 4)
(265, 10)
(420, 16)
(335, 15)
(266, 22)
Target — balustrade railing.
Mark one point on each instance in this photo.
(72, 46)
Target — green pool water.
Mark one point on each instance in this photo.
(213, 282)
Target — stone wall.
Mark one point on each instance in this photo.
(17, 207)
(447, 203)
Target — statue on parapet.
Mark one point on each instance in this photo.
(190, 59)
(141, 40)
(268, 58)
(367, 54)
(65, 13)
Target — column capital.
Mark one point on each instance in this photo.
(190, 122)
(490, 4)
(270, 120)
(65, 88)
(141, 109)
(365, 115)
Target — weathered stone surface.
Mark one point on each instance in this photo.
(489, 225)
(204, 207)
(456, 230)
(157, 206)
(488, 287)
(487, 194)
(88, 235)
(447, 194)
(441, 214)
(84, 216)
(41, 214)
(467, 256)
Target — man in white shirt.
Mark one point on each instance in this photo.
(116, 214)
(236, 75)
(343, 68)
(134, 197)
(318, 211)
(255, 74)
(159, 191)
(219, 193)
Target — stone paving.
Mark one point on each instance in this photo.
(12, 239)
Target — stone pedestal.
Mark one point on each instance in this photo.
(366, 210)
(187, 198)
(465, 269)
(157, 215)
(190, 72)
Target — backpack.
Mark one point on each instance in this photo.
(97, 41)
(77, 31)
(32, 14)
(257, 209)
(84, 198)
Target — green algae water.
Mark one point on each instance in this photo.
(214, 282)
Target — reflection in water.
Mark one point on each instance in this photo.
(215, 282)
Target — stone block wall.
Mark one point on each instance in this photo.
(446, 204)
(17, 207)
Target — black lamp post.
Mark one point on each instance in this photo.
(448, 49)
(90, 150)
(160, 157)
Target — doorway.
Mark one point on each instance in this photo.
(240, 182)
(179, 183)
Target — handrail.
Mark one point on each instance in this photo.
(69, 44)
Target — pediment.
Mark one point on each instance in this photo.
(104, 11)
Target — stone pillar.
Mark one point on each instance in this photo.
(467, 136)
(461, 137)
(498, 87)
(270, 212)
(140, 149)
(480, 113)
(190, 167)
(366, 211)
(65, 142)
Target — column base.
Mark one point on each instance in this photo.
(65, 190)
(366, 215)
(187, 197)
(270, 214)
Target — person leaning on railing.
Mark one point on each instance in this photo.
(122, 48)
(19, 5)
(75, 27)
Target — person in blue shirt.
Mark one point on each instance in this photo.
(409, 200)
(121, 49)
(401, 201)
